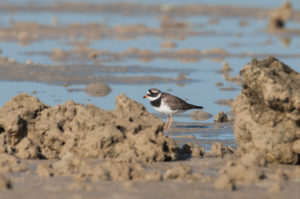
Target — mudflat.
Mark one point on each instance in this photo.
(83, 150)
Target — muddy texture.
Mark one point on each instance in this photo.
(97, 90)
(85, 177)
(280, 16)
(5, 183)
(267, 111)
(224, 102)
(22, 32)
(185, 55)
(200, 115)
(110, 170)
(219, 84)
(31, 129)
(219, 150)
(189, 55)
(131, 9)
(224, 182)
(222, 117)
(226, 68)
(226, 73)
(193, 150)
(72, 74)
(11, 164)
(238, 173)
(84, 170)
(89, 150)
(77, 151)
(168, 44)
(251, 169)
(231, 88)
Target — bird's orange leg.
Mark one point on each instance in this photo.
(166, 123)
(170, 122)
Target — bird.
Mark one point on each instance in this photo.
(166, 103)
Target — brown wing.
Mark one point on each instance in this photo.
(176, 103)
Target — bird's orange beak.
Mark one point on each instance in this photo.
(146, 96)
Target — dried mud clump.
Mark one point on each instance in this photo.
(200, 115)
(238, 173)
(280, 15)
(193, 150)
(5, 183)
(9, 163)
(85, 170)
(97, 90)
(30, 129)
(224, 102)
(178, 172)
(219, 150)
(267, 111)
(222, 117)
(95, 170)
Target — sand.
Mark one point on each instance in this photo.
(72, 150)
(267, 111)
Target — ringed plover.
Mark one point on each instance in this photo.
(166, 103)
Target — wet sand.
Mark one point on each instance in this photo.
(55, 152)
(58, 152)
(142, 9)
(28, 185)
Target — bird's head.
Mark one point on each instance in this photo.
(153, 94)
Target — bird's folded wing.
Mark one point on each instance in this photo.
(174, 102)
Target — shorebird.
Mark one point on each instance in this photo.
(168, 104)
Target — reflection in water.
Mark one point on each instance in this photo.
(193, 126)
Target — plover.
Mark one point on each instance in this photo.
(168, 104)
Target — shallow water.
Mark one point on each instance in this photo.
(242, 42)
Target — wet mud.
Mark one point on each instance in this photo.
(72, 74)
(83, 151)
(267, 110)
(81, 146)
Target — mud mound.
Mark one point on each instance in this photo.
(31, 129)
(178, 172)
(219, 150)
(280, 16)
(97, 89)
(5, 183)
(85, 170)
(9, 163)
(222, 117)
(200, 115)
(267, 111)
(236, 173)
(193, 150)
(110, 170)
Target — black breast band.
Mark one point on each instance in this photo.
(156, 103)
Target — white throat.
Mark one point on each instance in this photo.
(154, 98)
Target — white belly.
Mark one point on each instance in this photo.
(165, 109)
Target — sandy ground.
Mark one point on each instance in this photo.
(29, 185)
(53, 152)
(41, 156)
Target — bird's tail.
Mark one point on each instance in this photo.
(195, 107)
